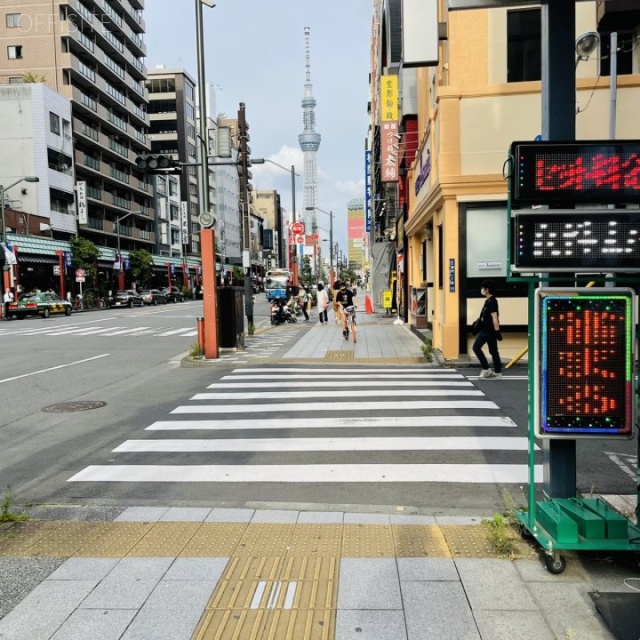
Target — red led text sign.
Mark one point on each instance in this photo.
(585, 363)
(575, 172)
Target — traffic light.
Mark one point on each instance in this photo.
(158, 163)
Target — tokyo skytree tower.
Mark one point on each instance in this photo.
(309, 142)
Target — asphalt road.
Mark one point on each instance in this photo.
(129, 360)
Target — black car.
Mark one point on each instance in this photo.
(173, 294)
(126, 298)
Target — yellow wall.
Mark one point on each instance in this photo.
(468, 125)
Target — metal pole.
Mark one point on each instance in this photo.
(202, 93)
(4, 225)
(613, 78)
(331, 247)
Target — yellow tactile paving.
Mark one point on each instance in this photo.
(367, 541)
(468, 541)
(165, 539)
(15, 540)
(316, 540)
(265, 539)
(114, 541)
(65, 540)
(418, 541)
(214, 540)
(268, 625)
(340, 355)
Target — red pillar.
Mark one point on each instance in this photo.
(209, 284)
(60, 254)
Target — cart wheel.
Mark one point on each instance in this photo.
(525, 534)
(555, 564)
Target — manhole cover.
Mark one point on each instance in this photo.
(70, 407)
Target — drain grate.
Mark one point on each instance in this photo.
(70, 407)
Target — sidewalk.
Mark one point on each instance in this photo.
(298, 572)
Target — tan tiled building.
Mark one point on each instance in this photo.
(92, 51)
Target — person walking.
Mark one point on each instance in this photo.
(303, 301)
(323, 304)
(337, 307)
(489, 333)
(7, 299)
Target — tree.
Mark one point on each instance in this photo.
(84, 255)
(238, 276)
(33, 78)
(306, 276)
(141, 262)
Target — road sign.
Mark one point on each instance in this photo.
(297, 228)
(300, 239)
(206, 219)
(80, 273)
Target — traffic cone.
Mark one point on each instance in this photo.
(368, 304)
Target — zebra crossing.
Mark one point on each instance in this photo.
(85, 330)
(321, 426)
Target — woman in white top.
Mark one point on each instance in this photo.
(323, 303)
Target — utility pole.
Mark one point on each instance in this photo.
(244, 175)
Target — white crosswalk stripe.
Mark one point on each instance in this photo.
(440, 406)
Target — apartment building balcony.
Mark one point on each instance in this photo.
(129, 231)
(133, 16)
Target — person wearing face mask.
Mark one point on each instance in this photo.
(489, 333)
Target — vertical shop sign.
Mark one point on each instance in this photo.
(184, 222)
(389, 152)
(81, 201)
(452, 275)
(367, 197)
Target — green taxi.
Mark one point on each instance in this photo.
(39, 304)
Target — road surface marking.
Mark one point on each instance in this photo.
(331, 394)
(341, 383)
(392, 443)
(312, 473)
(60, 366)
(331, 423)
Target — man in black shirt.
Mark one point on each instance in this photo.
(489, 333)
(346, 298)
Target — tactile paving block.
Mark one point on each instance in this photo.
(298, 624)
(419, 541)
(16, 540)
(339, 355)
(468, 541)
(316, 540)
(214, 540)
(114, 541)
(165, 539)
(265, 539)
(367, 541)
(65, 540)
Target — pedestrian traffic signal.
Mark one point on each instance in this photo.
(158, 164)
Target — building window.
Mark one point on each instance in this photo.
(54, 123)
(13, 20)
(16, 80)
(14, 52)
(524, 45)
(173, 188)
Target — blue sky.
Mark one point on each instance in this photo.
(255, 53)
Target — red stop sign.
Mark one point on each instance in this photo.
(297, 228)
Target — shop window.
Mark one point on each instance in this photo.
(524, 45)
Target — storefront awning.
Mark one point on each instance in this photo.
(31, 259)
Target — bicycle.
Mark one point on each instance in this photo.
(350, 313)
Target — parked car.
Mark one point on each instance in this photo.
(39, 304)
(173, 294)
(126, 298)
(153, 296)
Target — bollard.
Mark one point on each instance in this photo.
(200, 323)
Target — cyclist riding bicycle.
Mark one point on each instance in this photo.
(346, 298)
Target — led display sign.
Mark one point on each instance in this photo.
(584, 363)
(557, 173)
(576, 241)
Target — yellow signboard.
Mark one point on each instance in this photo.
(386, 299)
(389, 98)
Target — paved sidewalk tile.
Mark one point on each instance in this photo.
(370, 625)
(369, 583)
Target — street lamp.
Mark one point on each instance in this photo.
(2, 190)
(330, 214)
(293, 201)
(8, 275)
